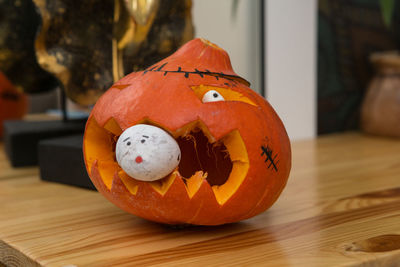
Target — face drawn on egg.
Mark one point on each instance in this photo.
(147, 153)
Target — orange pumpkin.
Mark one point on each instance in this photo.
(13, 104)
(235, 154)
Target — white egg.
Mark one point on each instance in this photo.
(147, 153)
(212, 96)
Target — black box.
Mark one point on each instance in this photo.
(61, 161)
(22, 137)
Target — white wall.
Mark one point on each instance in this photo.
(238, 35)
(291, 64)
(290, 52)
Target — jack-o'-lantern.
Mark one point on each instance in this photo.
(186, 141)
(13, 104)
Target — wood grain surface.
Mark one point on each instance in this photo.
(340, 207)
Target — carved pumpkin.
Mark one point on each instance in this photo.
(13, 104)
(234, 157)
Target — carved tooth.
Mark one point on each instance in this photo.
(162, 186)
(194, 183)
(97, 180)
(117, 185)
(106, 170)
(112, 126)
(131, 184)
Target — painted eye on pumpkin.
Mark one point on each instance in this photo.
(208, 94)
(212, 96)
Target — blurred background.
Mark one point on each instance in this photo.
(311, 59)
(317, 64)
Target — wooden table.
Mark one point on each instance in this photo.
(340, 207)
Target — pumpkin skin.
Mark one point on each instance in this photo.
(13, 104)
(169, 95)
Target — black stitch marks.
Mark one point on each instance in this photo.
(162, 66)
(217, 75)
(269, 157)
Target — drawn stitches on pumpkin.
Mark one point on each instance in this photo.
(235, 153)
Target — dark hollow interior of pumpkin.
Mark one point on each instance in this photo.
(197, 154)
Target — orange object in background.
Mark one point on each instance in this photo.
(13, 104)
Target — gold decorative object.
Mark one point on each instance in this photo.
(18, 26)
(89, 45)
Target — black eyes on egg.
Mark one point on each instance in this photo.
(141, 141)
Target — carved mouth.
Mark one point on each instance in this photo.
(222, 163)
(210, 160)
